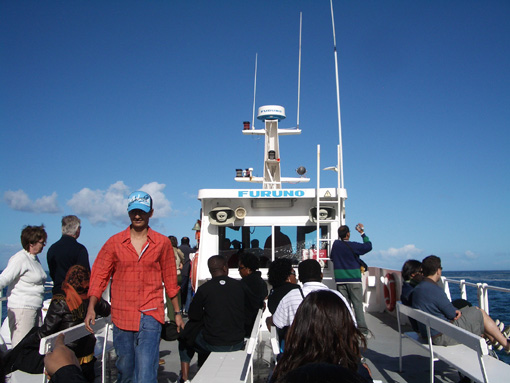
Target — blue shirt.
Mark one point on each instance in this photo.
(431, 298)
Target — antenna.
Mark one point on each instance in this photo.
(254, 93)
(299, 67)
(340, 157)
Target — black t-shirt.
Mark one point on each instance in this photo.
(220, 303)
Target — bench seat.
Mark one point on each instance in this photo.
(470, 357)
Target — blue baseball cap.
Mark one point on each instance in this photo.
(140, 200)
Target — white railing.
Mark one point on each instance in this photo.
(481, 288)
(47, 289)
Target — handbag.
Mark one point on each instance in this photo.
(169, 331)
(190, 332)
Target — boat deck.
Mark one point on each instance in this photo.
(382, 356)
(383, 351)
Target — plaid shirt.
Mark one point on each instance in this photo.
(137, 282)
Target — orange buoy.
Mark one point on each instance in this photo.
(390, 292)
(193, 272)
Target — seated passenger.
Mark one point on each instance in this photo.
(216, 317)
(282, 277)
(310, 274)
(65, 311)
(282, 244)
(411, 276)
(430, 298)
(322, 373)
(255, 289)
(323, 332)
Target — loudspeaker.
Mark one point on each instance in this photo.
(325, 214)
(221, 216)
(240, 212)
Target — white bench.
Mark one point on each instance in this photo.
(236, 366)
(101, 329)
(470, 357)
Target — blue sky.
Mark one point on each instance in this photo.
(99, 98)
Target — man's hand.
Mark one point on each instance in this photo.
(458, 314)
(60, 356)
(90, 318)
(269, 323)
(179, 322)
(360, 228)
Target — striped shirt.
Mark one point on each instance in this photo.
(286, 310)
(137, 280)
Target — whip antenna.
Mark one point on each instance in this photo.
(254, 93)
(299, 67)
(340, 160)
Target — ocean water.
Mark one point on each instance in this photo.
(499, 302)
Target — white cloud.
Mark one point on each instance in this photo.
(162, 206)
(471, 255)
(407, 252)
(110, 206)
(19, 200)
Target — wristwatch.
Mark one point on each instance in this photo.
(177, 313)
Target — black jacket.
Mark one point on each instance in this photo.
(25, 356)
(255, 291)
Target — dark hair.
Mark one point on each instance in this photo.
(410, 267)
(310, 271)
(343, 231)
(30, 235)
(323, 331)
(184, 241)
(278, 272)
(173, 240)
(322, 373)
(216, 262)
(430, 265)
(250, 261)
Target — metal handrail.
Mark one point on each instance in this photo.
(47, 289)
(482, 290)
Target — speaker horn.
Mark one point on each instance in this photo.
(325, 214)
(240, 212)
(221, 216)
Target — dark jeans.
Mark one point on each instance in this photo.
(138, 352)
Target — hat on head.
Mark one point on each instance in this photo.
(140, 200)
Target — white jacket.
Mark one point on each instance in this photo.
(25, 277)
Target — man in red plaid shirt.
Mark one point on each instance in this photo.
(138, 260)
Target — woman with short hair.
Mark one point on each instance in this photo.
(25, 279)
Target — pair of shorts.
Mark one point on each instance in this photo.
(470, 320)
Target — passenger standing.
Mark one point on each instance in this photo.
(346, 260)
(138, 260)
(186, 268)
(179, 259)
(66, 252)
(25, 277)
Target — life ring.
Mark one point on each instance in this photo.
(390, 292)
(193, 273)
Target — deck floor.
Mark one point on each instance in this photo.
(383, 352)
(382, 356)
